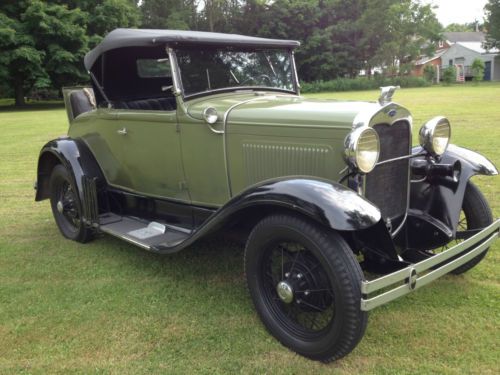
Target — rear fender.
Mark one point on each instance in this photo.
(75, 156)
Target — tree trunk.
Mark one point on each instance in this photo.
(19, 93)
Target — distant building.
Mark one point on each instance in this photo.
(460, 49)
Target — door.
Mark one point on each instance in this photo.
(151, 153)
(487, 70)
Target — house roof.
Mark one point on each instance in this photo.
(120, 38)
(477, 47)
(426, 59)
(464, 36)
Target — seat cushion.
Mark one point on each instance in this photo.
(153, 104)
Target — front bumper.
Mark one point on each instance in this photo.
(399, 283)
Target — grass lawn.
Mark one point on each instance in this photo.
(110, 307)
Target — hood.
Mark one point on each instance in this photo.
(276, 109)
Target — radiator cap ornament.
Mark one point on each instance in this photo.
(386, 93)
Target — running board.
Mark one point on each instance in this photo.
(149, 235)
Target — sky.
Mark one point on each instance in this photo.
(458, 11)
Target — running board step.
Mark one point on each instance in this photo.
(145, 234)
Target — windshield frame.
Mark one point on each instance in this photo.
(179, 88)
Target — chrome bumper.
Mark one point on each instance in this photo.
(420, 274)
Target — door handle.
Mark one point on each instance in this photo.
(122, 131)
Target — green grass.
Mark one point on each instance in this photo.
(110, 307)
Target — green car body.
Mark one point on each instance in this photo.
(263, 135)
(183, 134)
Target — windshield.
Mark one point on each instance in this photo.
(204, 70)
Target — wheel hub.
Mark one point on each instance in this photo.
(285, 291)
(60, 207)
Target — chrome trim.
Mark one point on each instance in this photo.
(427, 132)
(386, 93)
(351, 146)
(381, 114)
(412, 277)
(125, 238)
(175, 72)
(206, 116)
(400, 158)
(295, 73)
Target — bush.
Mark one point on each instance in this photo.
(362, 83)
(430, 73)
(477, 70)
(449, 75)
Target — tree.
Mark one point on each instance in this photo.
(42, 45)
(492, 24)
(411, 30)
(430, 72)
(169, 14)
(461, 27)
(477, 70)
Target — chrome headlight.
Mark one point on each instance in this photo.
(435, 135)
(362, 149)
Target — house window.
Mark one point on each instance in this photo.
(450, 62)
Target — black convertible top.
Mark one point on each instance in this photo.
(120, 38)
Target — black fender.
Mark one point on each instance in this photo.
(75, 156)
(325, 202)
(329, 203)
(442, 198)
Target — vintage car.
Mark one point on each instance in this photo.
(183, 134)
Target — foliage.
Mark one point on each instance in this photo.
(477, 70)
(362, 83)
(430, 72)
(464, 27)
(43, 42)
(492, 10)
(43, 45)
(449, 75)
(339, 38)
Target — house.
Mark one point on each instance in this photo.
(460, 49)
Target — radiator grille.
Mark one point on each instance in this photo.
(387, 185)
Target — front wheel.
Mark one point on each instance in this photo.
(476, 214)
(305, 284)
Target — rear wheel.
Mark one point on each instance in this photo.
(66, 206)
(305, 284)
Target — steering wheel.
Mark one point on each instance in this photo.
(259, 79)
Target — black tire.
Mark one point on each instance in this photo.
(476, 214)
(68, 215)
(333, 288)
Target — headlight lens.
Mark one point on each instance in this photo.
(362, 148)
(435, 135)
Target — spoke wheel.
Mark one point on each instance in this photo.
(65, 205)
(297, 289)
(305, 284)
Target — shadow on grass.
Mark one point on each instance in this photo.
(7, 106)
(218, 256)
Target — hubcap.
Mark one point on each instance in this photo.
(285, 291)
(60, 207)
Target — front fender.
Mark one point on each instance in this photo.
(441, 198)
(472, 162)
(76, 158)
(326, 202)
